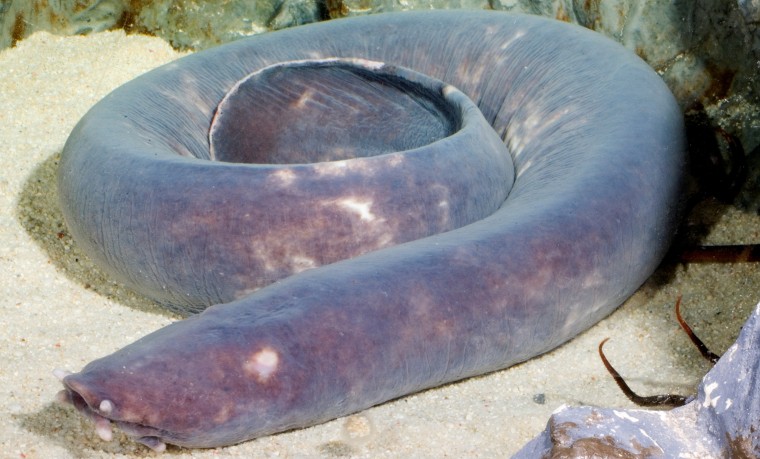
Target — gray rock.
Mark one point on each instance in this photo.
(723, 420)
(186, 24)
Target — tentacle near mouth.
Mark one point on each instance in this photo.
(101, 416)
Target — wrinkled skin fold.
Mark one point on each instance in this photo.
(596, 141)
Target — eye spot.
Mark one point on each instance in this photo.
(262, 364)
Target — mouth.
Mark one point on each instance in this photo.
(104, 413)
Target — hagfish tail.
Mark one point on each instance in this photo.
(365, 208)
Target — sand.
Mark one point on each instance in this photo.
(59, 311)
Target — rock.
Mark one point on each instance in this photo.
(723, 420)
(186, 24)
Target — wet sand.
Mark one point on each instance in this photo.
(60, 311)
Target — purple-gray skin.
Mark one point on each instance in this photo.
(723, 420)
(597, 144)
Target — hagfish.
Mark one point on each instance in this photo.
(273, 182)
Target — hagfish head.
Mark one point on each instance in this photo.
(102, 411)
(192, 384)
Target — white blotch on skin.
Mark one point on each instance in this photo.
(515, 142)
(444, 205)
(518, 34)
(223, 415)
(524, 168)
(593, 279)
(262, 364)
(283, 177)
(332, 168)
(532, 121)
(362, 208)
(299, 264)
(394, 159)
(305, 98)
